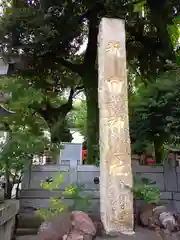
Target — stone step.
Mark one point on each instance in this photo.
(26, 237)
(26, 231)
(28, 221)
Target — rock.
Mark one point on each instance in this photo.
(68, 226)
(83, 223)
(166, 219)
(158, 217)
(177, 217)
(55, 228)
(98, 225)
(145, 213)
(73, 235)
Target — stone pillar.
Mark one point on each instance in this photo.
(116, 199)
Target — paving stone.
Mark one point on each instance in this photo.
(141, 234)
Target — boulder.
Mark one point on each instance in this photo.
(145, 213)
(98, 225)
(73, 235)
(83, 223)
(56, 227)
(158, 217)
(68, 226)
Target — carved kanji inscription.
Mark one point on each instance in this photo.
(115, 153)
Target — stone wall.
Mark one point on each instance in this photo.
(32, 196)
(8, 211)
(167, 178)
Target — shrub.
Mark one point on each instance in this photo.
(80, 201)
(146, 190)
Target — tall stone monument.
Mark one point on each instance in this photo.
(115, 154)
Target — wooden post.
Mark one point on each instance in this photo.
(115, 154)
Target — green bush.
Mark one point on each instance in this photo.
(146, 190)
(80, 201)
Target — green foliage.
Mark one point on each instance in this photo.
(174, 31)
(80, 202)
(81, 116)
(144, 189)
(28, 132)
(97, 162)
(139, 5)
(155, 112)
(50, 33)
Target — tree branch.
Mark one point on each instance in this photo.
(70, 99)
(76, 68)
(76, 93)
(137, 2)
(91, 51)
(51, 114)
(80, 87)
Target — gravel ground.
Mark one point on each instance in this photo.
(141, 234)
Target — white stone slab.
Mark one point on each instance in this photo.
(71, 152)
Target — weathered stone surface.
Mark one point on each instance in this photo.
(28, 237)
(116, 199)
(32, 195)
(44, 203)
(75, 235)
(145, 214)
(55, 228)
(147, 169)
(170, 176)
(71, 152)
(158, 178)
(140, 234)
(1, 195)
(166, 195)
(29, 221)
(98, 224)
(8, 211)
(83, 223)
(76, 225)
(176, 196)
(158, 217)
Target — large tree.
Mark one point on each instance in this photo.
(51, 32)
(155, 114)
(27, 131)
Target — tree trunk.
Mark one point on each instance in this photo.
(158, 148)
(9, 185)
(8, 192)
(91, 91)
(59, 131)
(17, 189)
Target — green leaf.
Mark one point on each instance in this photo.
(139, 6)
